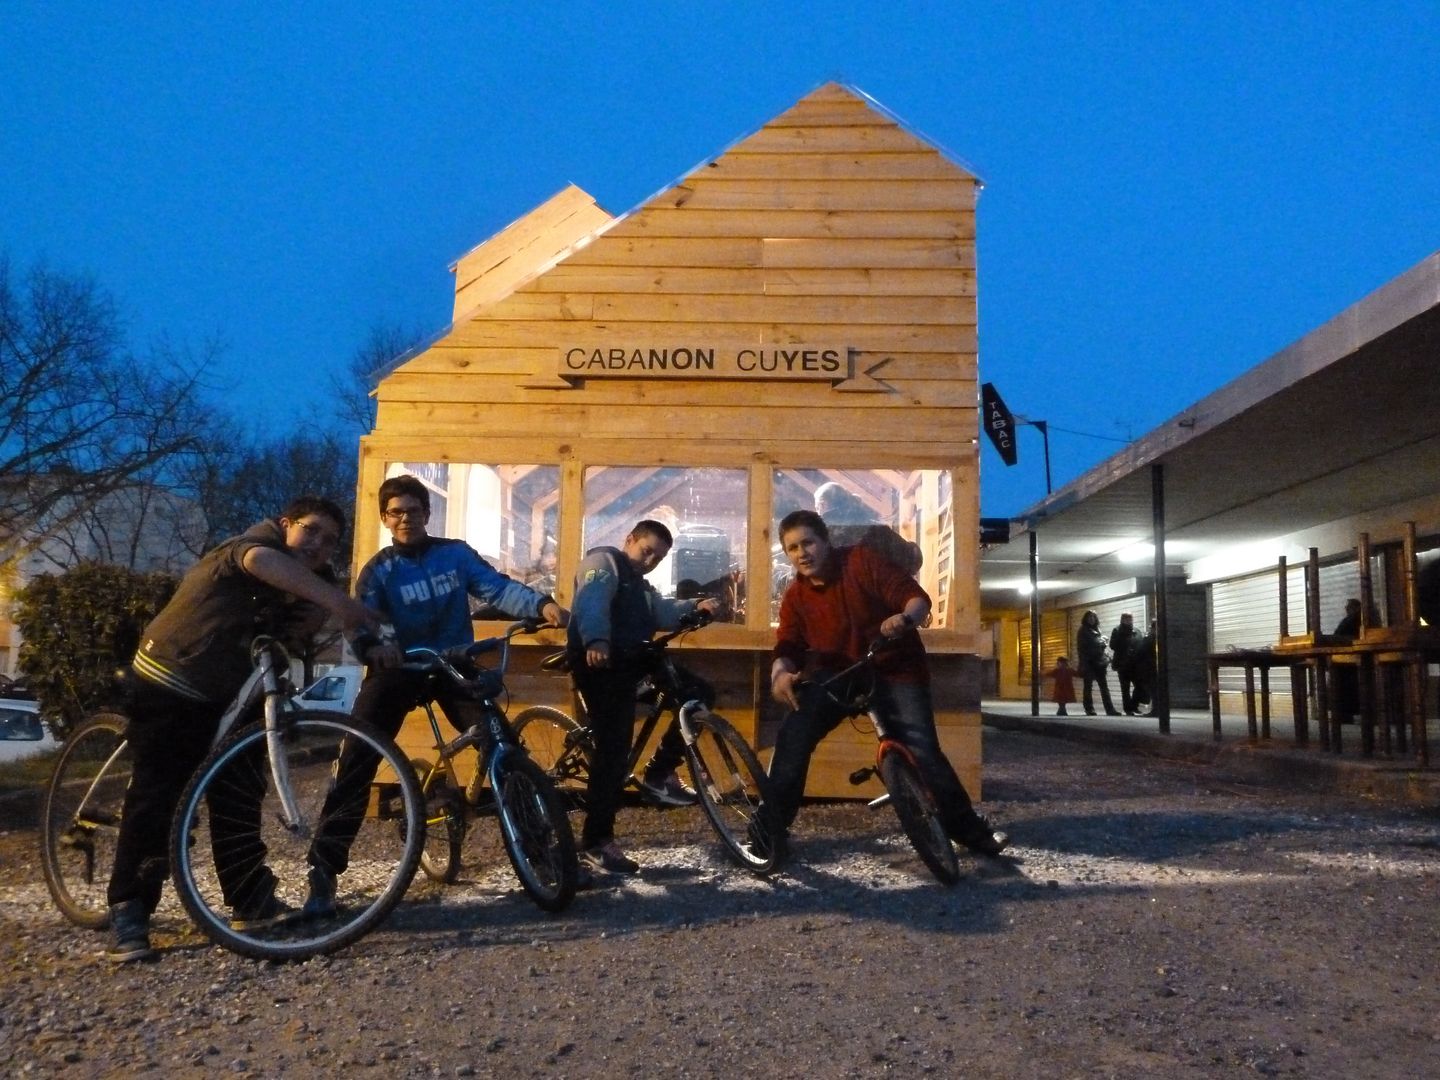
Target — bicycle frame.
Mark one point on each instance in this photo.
(493, 738)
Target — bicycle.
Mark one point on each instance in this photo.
(534, 824)
(263, 784)
(906, 790)
(724, 770)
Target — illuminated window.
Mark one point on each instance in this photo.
(704, 509)
(906, 514)
(508, 513)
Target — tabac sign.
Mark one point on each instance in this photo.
(845, 368)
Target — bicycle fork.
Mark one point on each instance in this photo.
(886, 745)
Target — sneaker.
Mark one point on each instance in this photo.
(269, 912)
(130, 923)
(608, 858)
(584, 879)
(761, 844)
(667, 790)
(320, 904)
(983, 838)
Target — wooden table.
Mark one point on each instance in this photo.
(1262, 660)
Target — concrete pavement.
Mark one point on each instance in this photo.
(1278, 760)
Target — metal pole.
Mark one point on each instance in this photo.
(1162, 616)
(1045, 434)
(1034, 624)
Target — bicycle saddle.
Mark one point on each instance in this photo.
(556, 662)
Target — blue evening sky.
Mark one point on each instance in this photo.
(1173, 191)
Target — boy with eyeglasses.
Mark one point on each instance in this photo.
(422, 585)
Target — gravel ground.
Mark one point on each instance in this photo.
(1156, 920)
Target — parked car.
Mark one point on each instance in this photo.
(334, 691)
(22, 733)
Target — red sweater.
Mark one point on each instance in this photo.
(830, 626)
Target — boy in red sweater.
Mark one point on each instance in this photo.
(841, 600)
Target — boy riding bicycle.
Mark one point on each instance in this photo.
(616, 610)
(842, 599)
(422, 584)
(194, 656)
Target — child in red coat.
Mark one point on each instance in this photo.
(1063, 691)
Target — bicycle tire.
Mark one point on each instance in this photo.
(919, 816)
(80, 818)
(383, 857)
(536, 830)
(445, 823)
(730, 782)
(559, 745)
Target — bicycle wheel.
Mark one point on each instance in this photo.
(80, 818)
(536, 830)
(729, 780)
(919, 817)
(232, 852)
(445, 823)
(559, 746)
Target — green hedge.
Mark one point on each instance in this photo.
(78, 627)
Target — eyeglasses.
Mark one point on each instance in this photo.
(413, 513)
(322, 536)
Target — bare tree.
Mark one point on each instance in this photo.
(81, 417)
(385, 345)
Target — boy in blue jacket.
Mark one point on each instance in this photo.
(422, 585)
(616, 611)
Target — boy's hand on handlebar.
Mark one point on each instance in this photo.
(897, 625)
(386, 655)
(555, 615)
(710, 607)
(355, 617)
(782, 688)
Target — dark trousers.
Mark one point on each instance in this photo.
(169, 737)
(385, 697)
(1088, 696)
(909, 718)
(1127, 691)
(609, 699)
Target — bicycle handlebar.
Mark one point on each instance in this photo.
(424, 658)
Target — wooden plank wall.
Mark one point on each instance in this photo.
(831, 224)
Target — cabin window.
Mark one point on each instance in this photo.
(508, 513)
(913, 509)
(705, 510)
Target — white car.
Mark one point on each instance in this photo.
(22, 733)
(334, 691)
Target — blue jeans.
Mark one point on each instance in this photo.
(908, 715)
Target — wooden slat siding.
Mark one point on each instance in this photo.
(739, 424)
(730, 310)
(774, 196)
(480, 444)
(483, 387)
(876, 338)
(779, 282)
(940, 254)
(918, 165)
(846, 223)
(831, 225)
(631, 308)
(458, 360)
(763, 252)
(841, 112)
(498, 265)
(833, 140)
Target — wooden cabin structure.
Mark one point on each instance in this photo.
(799, 311)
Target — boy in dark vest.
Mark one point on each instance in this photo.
(615, 611)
